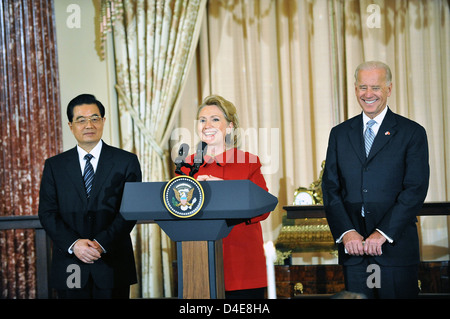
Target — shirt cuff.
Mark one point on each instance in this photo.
(104, 251)
(389, 239)
(70, 250)
(339, 240)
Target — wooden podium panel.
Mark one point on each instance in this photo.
(202, 271)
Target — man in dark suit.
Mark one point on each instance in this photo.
(79, 202)
(374, 183)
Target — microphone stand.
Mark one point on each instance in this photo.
(198, 159)
(179, 161)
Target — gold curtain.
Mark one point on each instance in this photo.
(288, 66)
(154, 43)
(30, 130)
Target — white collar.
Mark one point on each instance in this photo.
(95, 152)
(379, 118)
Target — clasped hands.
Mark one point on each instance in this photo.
(355, 244)
(87, 250)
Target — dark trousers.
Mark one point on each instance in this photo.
(91, 291)
(382, 282)
(257, 293)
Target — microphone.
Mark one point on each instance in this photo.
(199, 157)
(201, 151)
(183, 151)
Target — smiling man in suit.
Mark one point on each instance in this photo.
(374, 184)
(79, 202)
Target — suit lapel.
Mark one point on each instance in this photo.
(386, 132)
(356, 138)
(73, 169)
(104, 167)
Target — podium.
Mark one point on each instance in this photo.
(199, 238)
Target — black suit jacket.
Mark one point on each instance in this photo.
(67, 215)
(391, 183)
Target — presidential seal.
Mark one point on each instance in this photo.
(183, 196)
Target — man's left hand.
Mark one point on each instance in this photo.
(373, 243)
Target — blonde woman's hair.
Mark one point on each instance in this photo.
(229, 111)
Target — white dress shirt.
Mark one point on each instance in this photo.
(95, 152)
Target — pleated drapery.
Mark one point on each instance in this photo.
(154, 44)
(30, 130)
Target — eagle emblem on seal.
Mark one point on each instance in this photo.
(184, 197)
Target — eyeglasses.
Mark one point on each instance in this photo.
(84, 121)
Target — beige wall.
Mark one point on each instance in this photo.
(81, 70)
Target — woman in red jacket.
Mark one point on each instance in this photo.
(243, 252)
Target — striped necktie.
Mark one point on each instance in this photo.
(88, 175)
(369, 136)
